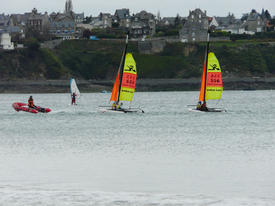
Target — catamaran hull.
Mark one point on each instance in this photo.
(110, 110)
(18, 106)
(209, 110)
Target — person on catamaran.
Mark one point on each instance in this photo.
(204, 107)
(114, 106)
(30, 102)
(199, 105)
(117, 106)
(73, 98)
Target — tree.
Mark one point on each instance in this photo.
(87, 19)
(32, 44)
(177, 20)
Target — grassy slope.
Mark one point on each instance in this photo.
(100, 60)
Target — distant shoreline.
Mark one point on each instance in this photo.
(192, 84)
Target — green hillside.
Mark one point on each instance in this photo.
(100, 60)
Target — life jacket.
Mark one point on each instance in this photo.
(114, 106)
(30, 103)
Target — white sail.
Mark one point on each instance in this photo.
(74, 88)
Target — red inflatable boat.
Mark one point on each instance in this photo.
(24, 107)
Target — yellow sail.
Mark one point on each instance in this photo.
(128, 83)
(214, 85)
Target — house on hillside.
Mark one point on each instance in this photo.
(102, 21)
(123, 18)
(63, 25)
(106, 19)
(195, 27)
(167, 21)
(253, 22)
(139, 29)
(143, 24)
(79, 18)
(8, 24)
(229, 24)
(224, 22)
(38, 21)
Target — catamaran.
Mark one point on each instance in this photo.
(211, 82)
(74, 89)
(124, 86)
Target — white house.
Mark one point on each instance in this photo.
(5, 41)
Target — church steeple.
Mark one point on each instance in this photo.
(68, 6)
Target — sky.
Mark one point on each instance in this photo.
(165, 7)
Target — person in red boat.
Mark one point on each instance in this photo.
(31, 103)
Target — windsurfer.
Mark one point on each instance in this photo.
(73, 98)
(30, 102)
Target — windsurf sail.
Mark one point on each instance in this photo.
(74, 88)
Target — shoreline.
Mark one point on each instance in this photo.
(143, 85)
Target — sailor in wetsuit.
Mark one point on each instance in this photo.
(114, 106)
(199, 105)
(73, 98)
(30, 102)
(204, 107)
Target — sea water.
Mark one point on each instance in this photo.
(168, 155)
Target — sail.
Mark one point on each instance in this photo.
(214, 86)
(128, 83)
(202, 93)
(74, 88)
(115, 88)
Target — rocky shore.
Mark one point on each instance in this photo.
(62, 86)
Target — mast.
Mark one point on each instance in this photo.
(122, 68)
(206, 62)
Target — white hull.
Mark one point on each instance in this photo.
(209, 110)
(110, 110)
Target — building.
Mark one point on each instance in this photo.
(253, 22)
(139, 29)
(9, 25)
(102, 21)
(79, 18)
(148, 20)
(122, 17)
(225, 22)
(63, 25)
(195, 27)
(37, 21)
(167, 21)
(5, 41)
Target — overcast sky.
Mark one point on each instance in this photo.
(166, 7)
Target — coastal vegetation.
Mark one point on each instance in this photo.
(88, 59)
